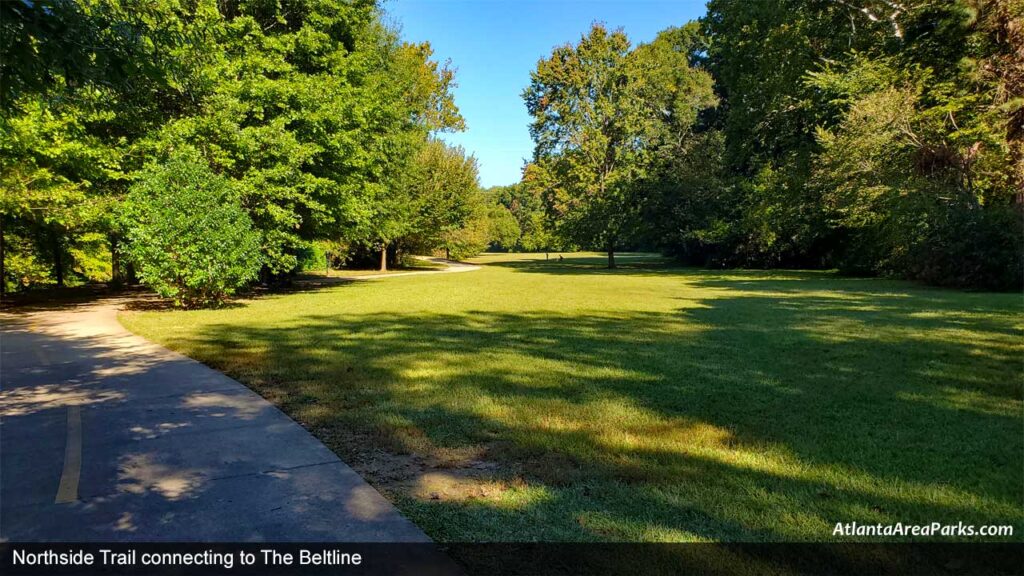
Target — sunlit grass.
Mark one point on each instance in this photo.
(556, 400)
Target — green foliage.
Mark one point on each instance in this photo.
(25, 262)
(504, 229)
(583, 126)
(305, 118)
(488, 225)
(314, 112)
(188, 234)
(862, 135)
(442, 194)
(598, 109)
(916, 177)
(83, 42)
(313, 258)
(525, 204)
(689, 209)
(416, 103)
(56, 179)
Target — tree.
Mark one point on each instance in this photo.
(82, 44)
(503, 229)
(583, 128)
(443, 193)
(57, 176)
(598, 109)
(188, 233)
(81, 83)
(276, 102)
(917, 177)
(489, 224)
(873, 136)
(414, 100)
(526, 206)
(314, 111)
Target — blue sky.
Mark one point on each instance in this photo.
(495, 44)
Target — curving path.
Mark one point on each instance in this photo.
(105, 436)
(450, 266)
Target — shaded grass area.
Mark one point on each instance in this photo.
(556, 400)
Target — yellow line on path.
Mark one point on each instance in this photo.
(68, 490)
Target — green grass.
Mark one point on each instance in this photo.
(557, 400)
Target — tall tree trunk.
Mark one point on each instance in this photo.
(384, 258)
(3, 269)
(58, 258)
(394, 257)
(115, 263)
(611, 256)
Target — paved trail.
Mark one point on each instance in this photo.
(105, 436)
(450, 266)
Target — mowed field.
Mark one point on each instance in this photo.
(555, 400)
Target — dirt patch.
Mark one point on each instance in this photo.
(434, 473)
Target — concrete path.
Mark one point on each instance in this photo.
(105, 436)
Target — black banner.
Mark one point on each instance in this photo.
(535, 559)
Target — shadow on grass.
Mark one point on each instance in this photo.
(770, 413)
(640, 264)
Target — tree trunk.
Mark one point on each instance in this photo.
(3, 270)
(447, 253)
(394, 256)
(384, 258)
(115, 263)
(58, 258)
(611, 257)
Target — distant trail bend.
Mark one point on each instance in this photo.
(450, 266)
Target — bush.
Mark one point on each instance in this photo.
(312, 258)
(981, 248)
(188, 234)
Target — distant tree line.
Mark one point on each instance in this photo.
(203, 145)
(876, 137)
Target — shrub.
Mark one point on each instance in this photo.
(311, 258)
(188, 234)
(981, 248)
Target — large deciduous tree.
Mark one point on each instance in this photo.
(584, 126)
(444, 194)
(413, 100)
(598, 110)
(80, 83)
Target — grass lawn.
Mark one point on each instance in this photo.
(557, 400)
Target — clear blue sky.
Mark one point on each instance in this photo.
(495, 44)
